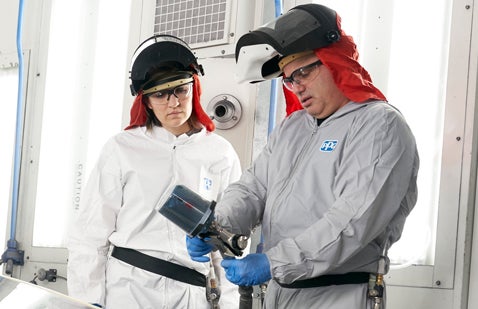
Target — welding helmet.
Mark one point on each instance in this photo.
(161, 51)
(303, 28)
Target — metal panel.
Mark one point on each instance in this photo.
(210, 27)
(470, 148)
(218, 79)
(456, 162)
(418, 298)
(199, 23)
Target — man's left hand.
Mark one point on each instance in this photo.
(252, 270)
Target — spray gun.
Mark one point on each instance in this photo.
(195, 216)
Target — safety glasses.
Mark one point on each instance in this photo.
(180, 92)
(302, 75)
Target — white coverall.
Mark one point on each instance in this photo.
(119, 207)
(329, 198)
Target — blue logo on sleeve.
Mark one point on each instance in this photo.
(207, 183)
(328, 145)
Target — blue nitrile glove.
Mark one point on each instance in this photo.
(252, 270)
(198, 248)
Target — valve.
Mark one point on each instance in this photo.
(12, 256)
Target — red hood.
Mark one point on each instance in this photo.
(341, 58)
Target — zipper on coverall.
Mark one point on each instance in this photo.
(292, 173)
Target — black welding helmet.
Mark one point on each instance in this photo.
(161, 51)
(303, 28)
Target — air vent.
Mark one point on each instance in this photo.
(200, 23)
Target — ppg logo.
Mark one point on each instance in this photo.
(328, 146)
(207, 183)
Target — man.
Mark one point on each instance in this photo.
(337, 179)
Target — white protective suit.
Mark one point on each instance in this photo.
(329, 198)
(119, 207)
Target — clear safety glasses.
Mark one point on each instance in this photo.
(180, 92)
(302, 75)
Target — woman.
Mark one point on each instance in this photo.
(122, 252)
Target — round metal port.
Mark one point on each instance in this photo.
(225, 111)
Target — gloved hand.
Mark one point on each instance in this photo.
(198, 248)
(252, 270)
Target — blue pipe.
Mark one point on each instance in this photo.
(19, 126)
(274, 83)
(278, 6)
(272, 122)
(272, 108)
(12, 255)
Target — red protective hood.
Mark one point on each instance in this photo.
(341, 58)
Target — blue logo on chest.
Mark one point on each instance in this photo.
(328, 145)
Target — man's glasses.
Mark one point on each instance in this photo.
(180, 92)
(302, 75)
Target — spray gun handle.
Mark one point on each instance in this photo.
(229, 244)
(226, 250)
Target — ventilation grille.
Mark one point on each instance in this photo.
(200, 23)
